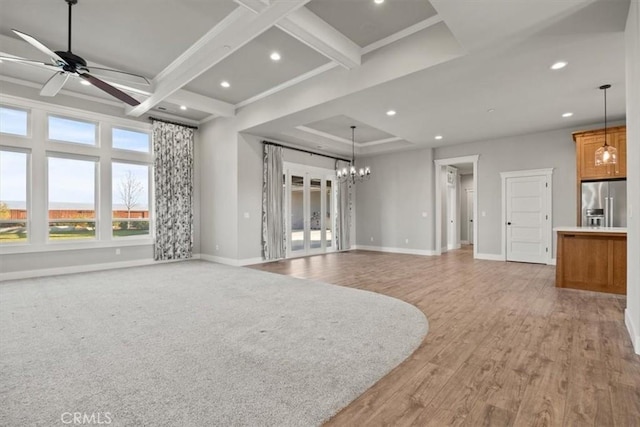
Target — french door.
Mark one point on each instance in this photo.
(310, 210)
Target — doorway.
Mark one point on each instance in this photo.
(526, 203)
(310, 195)
(448, 203)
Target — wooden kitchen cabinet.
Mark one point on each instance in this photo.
(588, 142)
(592, 261)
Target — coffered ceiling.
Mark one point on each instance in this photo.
(483, 71)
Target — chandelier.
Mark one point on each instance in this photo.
(352, 173)
(606, 155)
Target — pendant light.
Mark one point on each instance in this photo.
(607, 154)
(353, 174)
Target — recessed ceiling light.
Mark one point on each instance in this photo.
(275, 56)
(225, 84)
(391, 113)
(183, 107)
(567, 115)
(378, 1)
(85, 82)
(559, 65)
(438, 137)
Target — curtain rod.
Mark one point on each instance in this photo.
(173, 123)
(306, 151)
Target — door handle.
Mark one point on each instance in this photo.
(508, 223)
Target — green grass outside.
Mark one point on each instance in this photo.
(68, 235)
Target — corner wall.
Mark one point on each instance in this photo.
(390, 206)
(632, 40)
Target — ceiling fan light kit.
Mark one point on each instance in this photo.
(67, 64)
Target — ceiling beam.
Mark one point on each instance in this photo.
(237, 29)
(311, 30)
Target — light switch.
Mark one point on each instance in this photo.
(246, 215)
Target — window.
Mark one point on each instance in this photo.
(72, 198)
(68, 130)
(14, 121)
(130, 199)
(13, 197)
(124, 139)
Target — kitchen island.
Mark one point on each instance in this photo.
(592, 259)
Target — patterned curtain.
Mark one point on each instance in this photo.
(343, 236)
(173, 181)
(273, 246)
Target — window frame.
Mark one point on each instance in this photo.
(126, 151)
(96, 132)
(27, 221)
(41, 147)
(96, 198)
(150, 220)
(26, 110)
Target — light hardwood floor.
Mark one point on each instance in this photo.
(505, 346)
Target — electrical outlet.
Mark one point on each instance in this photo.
(246, 215)
(424, 214)
(372, 238)
(406, 241)
(217, 247)
(117, 251)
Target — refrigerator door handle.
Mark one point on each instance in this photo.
(611, 214)
(606, 212)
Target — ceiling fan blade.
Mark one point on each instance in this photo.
(110, 89)
(54, 84)
(41, 47)
(38, 64)
(120, 76)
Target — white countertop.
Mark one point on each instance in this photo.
(592, 229)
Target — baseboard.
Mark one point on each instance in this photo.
(634, 331)
(28, 274)
(232, 261)
(395, 250)
(552, 261)
(453, 247)
(490, 257)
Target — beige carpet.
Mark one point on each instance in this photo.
(193, 344)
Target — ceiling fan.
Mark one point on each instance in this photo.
(67, 64)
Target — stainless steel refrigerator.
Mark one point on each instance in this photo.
(604, 204)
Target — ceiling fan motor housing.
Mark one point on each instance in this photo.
(72, 61)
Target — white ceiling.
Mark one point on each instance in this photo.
(492, 55)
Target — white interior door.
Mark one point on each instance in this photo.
(527, 214)
(470, 217)
(310, 211)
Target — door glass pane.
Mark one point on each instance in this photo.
(315, 209)
(328, 221)
(297, 213)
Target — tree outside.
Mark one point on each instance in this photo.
(130, 190)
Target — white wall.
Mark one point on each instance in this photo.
(219, 189)
(632, 38)
(389, 206)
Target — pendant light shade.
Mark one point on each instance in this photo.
(607, 154)
(353, 174)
